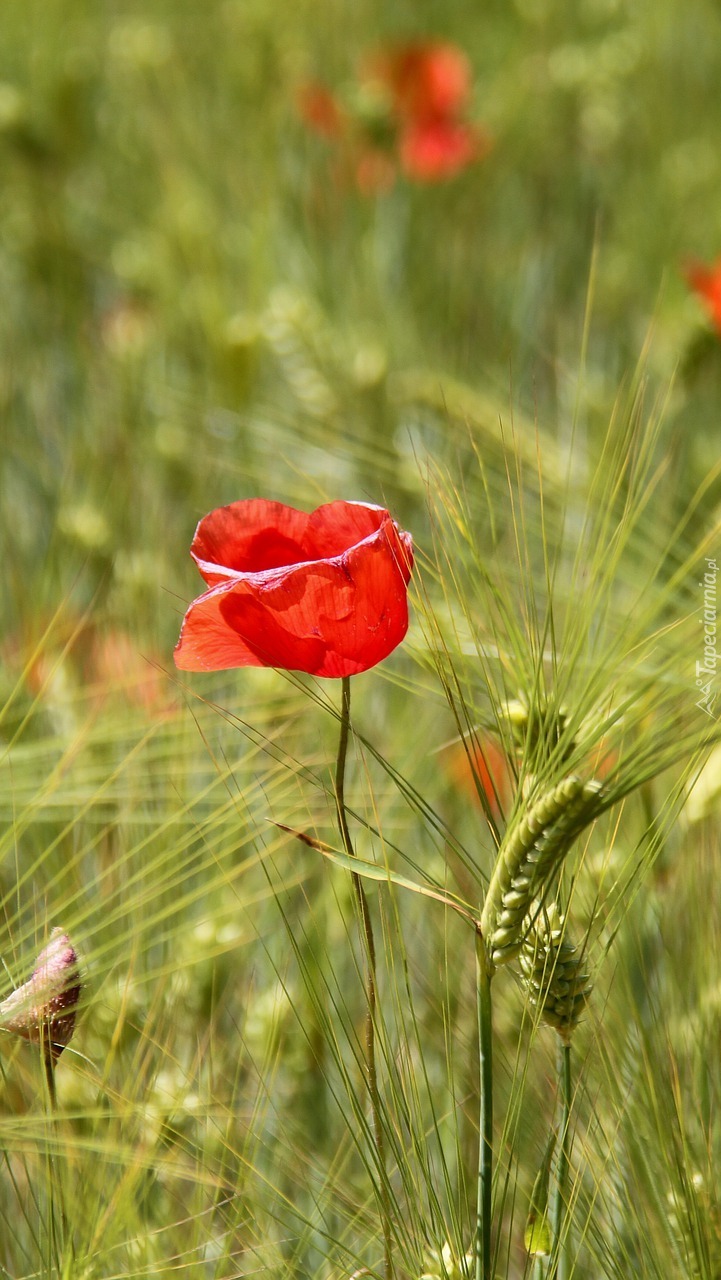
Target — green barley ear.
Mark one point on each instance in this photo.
(43, 1008)
(558, 983)
(531, 851)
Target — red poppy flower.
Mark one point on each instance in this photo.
(324, 592)
(706, 282)
(428, 80)
(407, 112)
(432, 150)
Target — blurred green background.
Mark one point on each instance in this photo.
(193, 311)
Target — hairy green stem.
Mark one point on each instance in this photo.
(57, 1219)
(49, 1066)
(370, 948)
(485, 1136)
(560, 1199)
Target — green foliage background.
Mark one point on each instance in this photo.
(195, 309)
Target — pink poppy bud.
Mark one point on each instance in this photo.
(43, 1009)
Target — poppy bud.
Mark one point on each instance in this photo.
(43, 1008)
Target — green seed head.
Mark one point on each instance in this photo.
(558, 984)
(531, 852)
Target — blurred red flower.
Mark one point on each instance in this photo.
(481, 762)
(406, 111)
(432, 150)
(706, 282)
(319, 110)
(324, 592)
(428, 80)
(78, 662)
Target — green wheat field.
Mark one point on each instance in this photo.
(209, 294)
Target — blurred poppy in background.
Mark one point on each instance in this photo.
(78, 663)
(435, 149)
(481, 763)
(320, 110)
(428, 80)
(706, 283)
(406, 112)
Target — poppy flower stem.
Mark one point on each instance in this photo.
(49, 1065)
(59, 1223)
(370, 948)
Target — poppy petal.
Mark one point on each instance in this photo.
(336, 526)
(338, 610)
(248, 536)
(229, 626)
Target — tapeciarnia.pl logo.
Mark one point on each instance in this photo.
(706, 670)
